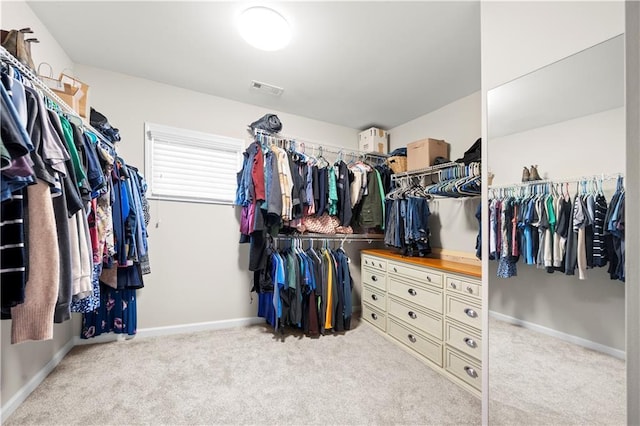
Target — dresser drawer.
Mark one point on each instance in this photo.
(464, 340)
(421, 275)
(374, 278)
(374, 297)
(411, 338)
(424, 296)
(418, 318)
(463, 286)
(375, 317)
(463, 368)
(374, 263)
(464, 311)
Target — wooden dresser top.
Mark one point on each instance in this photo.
(446, 265)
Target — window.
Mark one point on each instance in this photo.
(184, 165)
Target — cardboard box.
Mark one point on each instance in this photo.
(70, 95)
(373, 140)
(83, 94)
(422, 153)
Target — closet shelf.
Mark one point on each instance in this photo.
(427, 171)
(319, 147)
(454, 179)
(4, 53)
(587, 178)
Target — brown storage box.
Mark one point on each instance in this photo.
(70, 95)
(422, 153)
(82, 94)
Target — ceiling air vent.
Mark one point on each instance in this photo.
(267, 88)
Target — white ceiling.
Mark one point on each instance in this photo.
(357, 64)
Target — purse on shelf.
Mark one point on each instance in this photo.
(324, 224)
(269, 123)
(68, 88)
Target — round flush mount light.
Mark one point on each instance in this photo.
(264, 28)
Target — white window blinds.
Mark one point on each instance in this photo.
(184, 165)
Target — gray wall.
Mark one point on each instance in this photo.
(452, 222)
(198, 269)
(21, 363)
(633, 206)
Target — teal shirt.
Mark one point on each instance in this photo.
(333, 193)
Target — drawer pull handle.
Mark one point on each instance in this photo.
(411, 338)
(471, 313)
(471, 372)
(395, 269)
(374, 278)
(374, 297)
(380, 264)
(454, 286)
(412, 292)
(470, 342)
(412, 315)
(428, 278)
(469, 289)
(374, 316)
(366, 262)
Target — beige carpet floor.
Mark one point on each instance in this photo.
(247, 376)
(535, 379)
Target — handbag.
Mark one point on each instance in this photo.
(101, 124)
(269, 123)
(324, 224)
(18, 46)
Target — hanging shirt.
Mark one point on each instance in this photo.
(600, 255)
(344, 194)
(328, 319)
(579, 223)
(333, 193)
(550, 233)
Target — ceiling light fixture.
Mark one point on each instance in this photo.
(264, 28)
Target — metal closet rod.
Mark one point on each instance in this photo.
(602, 177)
(331, 237)
(322, 147)
(50, 94)
(427, 171)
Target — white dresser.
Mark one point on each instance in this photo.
(431, 307)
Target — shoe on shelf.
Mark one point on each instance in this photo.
(533, 175)
(525, 174)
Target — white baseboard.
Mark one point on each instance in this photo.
(617, 353)
(103, 338)
(17, 399)
(199, 326)
(172, 329)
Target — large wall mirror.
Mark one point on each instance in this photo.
(557, 333)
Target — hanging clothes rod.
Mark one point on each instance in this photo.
(427, 171)
(332, 237)
(4, 53)
(320, 147)
(600, 177)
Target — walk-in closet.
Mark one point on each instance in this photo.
(350, 213)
